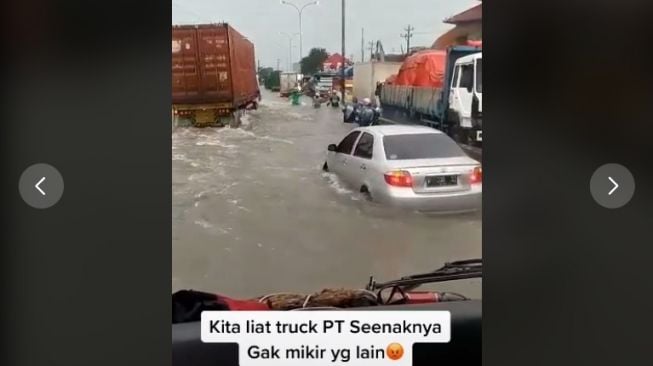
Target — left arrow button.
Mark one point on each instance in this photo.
(41, 186)
(38, 184)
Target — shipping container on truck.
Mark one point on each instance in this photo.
(213, 74)
(454, 106)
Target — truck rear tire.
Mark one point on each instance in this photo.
(234, 119)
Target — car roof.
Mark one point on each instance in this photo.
(386, 130)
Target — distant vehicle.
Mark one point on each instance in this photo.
(273, 82)
(413, 167)
(213, 74)
(455, 108)
(324, 83)
(288, 82)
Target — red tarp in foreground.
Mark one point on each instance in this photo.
(425, 68)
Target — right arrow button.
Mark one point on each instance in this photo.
(612, 185)
(613, 188)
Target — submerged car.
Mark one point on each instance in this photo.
(413, 167)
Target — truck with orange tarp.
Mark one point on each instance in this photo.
(441, 89)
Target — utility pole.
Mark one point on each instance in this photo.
(362, 44)
(342, 74)
(409, 33)
(290, 54)
(371, 48)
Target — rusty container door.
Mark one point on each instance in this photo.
(243, 69)
(185, 71)
(214, 63)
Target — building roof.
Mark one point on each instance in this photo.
(473, 14)
(450, 37)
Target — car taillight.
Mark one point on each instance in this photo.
(399, 178)
(477, 175)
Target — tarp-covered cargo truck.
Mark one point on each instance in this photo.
(443, 91)
(213, 74)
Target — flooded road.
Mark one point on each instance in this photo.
(253, 213)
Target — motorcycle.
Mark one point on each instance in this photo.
(364, 115)
(334, 101)
(368, 116)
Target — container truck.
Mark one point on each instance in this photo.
(213, 74)
(455, 107)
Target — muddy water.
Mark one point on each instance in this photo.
(253, 213)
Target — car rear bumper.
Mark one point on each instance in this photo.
(436, 202)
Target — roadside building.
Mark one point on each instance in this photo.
(468, 28)
(334, 62)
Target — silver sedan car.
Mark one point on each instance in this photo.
(414, 167)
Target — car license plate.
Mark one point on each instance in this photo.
(442, 180)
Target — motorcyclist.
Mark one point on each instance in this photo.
(334, 99)
(366, 113)
(350, 111)
(317, 101)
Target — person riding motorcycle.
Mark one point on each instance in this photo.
(334, 99)
(367, 114)
(350, 112)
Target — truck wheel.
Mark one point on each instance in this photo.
(234, 120)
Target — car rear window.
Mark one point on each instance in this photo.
(420, 146)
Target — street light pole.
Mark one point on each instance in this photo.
(299, 12)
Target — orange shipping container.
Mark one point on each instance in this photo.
(212, 64)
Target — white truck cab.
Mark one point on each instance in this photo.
(466, 95)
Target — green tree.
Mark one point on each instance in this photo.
(314, 61)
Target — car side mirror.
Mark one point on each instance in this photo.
(332, 147)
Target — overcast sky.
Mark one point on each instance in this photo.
(262, 21)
